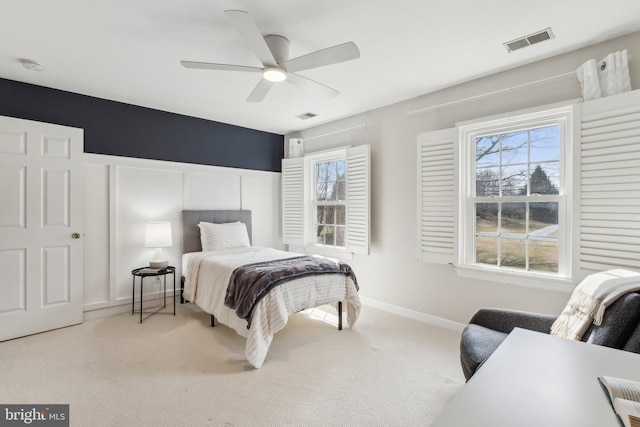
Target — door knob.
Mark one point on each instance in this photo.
(75, 236)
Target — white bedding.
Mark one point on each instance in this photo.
(207, 276)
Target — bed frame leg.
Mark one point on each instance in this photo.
(181, 290)
(339, 315)
(213, 321)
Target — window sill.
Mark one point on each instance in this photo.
(537, 281)
(342, 254)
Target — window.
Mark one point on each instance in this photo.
(514, 199)
(330, 202)
(325, 201)
(474, 213)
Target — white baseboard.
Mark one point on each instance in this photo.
(412, 314)
(106, 312)
(100, 310)
(124, 306)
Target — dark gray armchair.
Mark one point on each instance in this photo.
(487, 329)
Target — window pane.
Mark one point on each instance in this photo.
(543, 219)
(326, 235)
(545, 178)
(515, 148)
(331, 171)
(340, 168)
(488, 182)
(543, 256)
(545, 144)
(321, 172)
(327, 214)
(488, 151)
(320, 234)
(487, 250)
(486, 217)
(513, 218)
(514, 180)
(331, 190)
(341, 190)
(340, 215)
(321, 191)
(340, 236)
(513, 253)
(330, 214)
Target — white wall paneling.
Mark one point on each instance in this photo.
(212, 190)
(262, 197)
(124, 193)
(142, 195)
(97, 283)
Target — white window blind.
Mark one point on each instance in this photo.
(293, 201)
(358, 199)
(436, 201)
(610, 187)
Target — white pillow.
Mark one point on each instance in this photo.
(223, 236)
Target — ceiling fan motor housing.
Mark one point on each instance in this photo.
(279, 47)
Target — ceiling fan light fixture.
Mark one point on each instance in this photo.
(274, 74)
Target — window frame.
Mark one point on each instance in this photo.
(315, 204)
(562, 115)
(297, 193)
(311, 244)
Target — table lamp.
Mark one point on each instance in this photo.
(158, 235)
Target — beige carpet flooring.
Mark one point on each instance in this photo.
(177, 371)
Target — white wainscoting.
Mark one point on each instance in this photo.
(122, 194)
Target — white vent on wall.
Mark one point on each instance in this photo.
(525, 41)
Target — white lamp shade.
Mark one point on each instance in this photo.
(158, 235)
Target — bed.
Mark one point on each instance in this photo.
(213, 279)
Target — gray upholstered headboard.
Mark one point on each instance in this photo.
(191, 232)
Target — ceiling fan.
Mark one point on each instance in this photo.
(273, 52)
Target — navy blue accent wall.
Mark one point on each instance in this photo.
(120, 129)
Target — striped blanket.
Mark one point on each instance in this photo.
(249, 283)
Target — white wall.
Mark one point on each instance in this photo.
(122, 194)
(391, 274)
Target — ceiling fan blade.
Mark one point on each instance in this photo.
(222, 67)
(311, 86)
(260, 91)
(331, 55)
(251, 35)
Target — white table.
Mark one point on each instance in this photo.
(536, 380)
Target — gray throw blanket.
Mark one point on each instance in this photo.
(249, 283)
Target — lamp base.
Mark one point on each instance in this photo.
(159, 264)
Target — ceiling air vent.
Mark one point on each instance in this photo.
(525, 41)
(305, 116)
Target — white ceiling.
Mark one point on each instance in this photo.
(129, 50)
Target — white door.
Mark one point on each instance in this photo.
(41, 226)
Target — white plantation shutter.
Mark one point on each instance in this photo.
(293, 201)
(436, 201)
(610, 187)
(358, 199)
